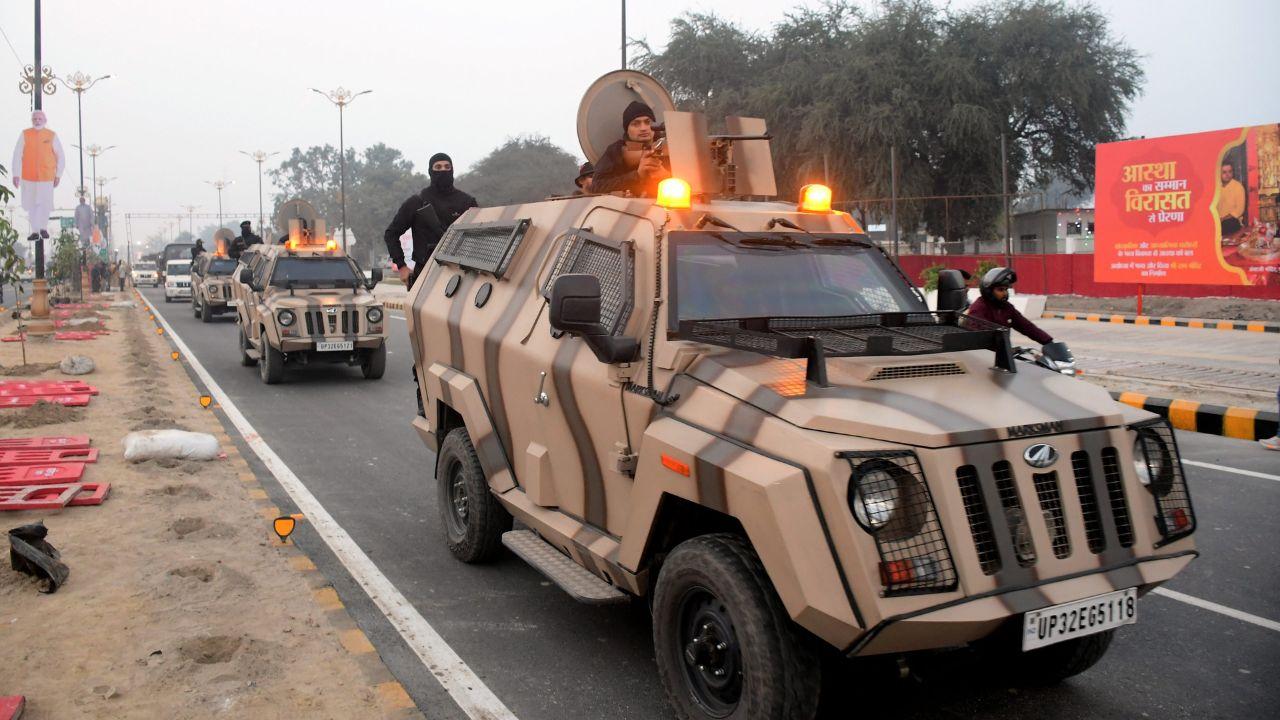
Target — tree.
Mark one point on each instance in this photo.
(523, 169)
(942, 85)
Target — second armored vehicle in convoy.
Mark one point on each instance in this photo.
(211, 285)
(305, 302)
(743, 411)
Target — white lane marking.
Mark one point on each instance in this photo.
(462, 684)
(1237, 471)
(1220, 609)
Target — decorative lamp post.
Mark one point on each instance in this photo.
(259, 157)
(79, 83)
(342, 97)
(219, 184)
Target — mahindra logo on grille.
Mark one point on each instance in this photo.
(1040, 455)
(1043, 428)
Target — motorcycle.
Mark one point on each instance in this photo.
(1054, 356)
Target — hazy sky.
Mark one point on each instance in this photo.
(194, 82)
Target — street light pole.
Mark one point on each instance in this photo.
(78, 83)
(94, 151)
(191, 218)
(219, 184)
(260, 157)
(106, 204)
(342, 98)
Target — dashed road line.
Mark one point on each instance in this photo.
(1237, 471)
(1220, 609)
(466, 688)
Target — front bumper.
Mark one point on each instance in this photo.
(973, 618)
(308, 344)
(182, 292)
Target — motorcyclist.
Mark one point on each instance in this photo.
(994, 306)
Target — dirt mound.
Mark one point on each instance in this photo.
(28, 370)
(210, 650)
(189, 492)
(203, 573)
(42, 413)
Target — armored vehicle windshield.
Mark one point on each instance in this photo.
(315, 272)
(724, 275)
(221, 266)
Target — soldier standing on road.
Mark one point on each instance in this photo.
(427, 214)
(629, 164)
(243, 240)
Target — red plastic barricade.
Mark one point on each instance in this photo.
(46, 456)
(50, 442)
(38, 497)
(46, 388)
(50, 474)
(22, 401)
(91, 493)
(78, 334)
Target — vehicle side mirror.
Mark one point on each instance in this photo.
(575, 309)
(952, 293)
(375, 277)
(245, 276)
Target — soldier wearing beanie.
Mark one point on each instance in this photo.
(629, 164)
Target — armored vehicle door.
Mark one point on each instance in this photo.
(579, 455)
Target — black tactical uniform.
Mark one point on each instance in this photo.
(243, 240)
(427, 214)
(612, 174)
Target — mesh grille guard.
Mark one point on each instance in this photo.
(878, 334)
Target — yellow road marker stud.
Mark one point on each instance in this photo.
(284, 526)
(159, 331)
(206, 401)
(174, 355)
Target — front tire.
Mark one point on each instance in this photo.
(271, 366)
(472, 518)
(375, 363)
(725, 646)
(206, 315)
(245, 359)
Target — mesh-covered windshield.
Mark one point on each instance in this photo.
(749, 275)
(221, 266)
(314, 272)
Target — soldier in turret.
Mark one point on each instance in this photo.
(632, 164)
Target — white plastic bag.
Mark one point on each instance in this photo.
(178, 444)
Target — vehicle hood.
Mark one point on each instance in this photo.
(893, 399)
(321, 299)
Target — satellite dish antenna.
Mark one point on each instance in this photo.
(600, 112)
(296, 209)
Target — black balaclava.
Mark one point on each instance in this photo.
(441, 180)
(246, 227)
(634, 110)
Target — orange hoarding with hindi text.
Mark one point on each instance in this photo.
(1189, 209)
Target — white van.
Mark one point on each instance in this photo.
(144, 273)
(177, 280)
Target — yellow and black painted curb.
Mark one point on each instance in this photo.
(1124, 319)
(395, 702)
(1227, 421)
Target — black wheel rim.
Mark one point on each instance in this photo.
(709, 652)
(456, 500)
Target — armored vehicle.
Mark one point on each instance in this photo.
(741, 410)
(211, 280)
(304, 301)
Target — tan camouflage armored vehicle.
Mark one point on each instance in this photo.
(211, 280)
(304, 302)
(741, 410)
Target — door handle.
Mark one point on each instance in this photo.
(541, 398)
